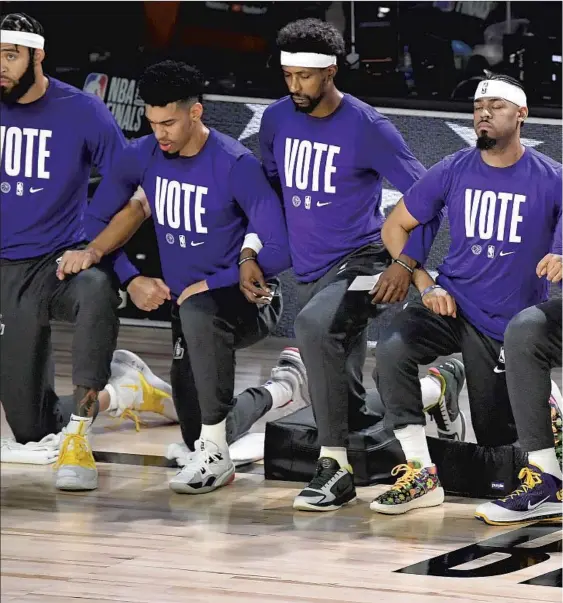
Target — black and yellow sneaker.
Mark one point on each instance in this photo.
(332, 487)
(450, 421)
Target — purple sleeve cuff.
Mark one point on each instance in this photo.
(223, 278)
(123, 267)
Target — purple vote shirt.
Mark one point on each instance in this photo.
(47, 149)
(503, 221)
(201, 207)
(331, 173)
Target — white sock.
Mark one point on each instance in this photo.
(216, 434)
(333, 452)
(431, 388)
(113, 405)
(280, 391)
(413, 441)
(547, 461)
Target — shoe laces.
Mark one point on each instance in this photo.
(206, 456)
(530, 479)
(75, 451)
(129, 413)
(405, 480)
(324, 477)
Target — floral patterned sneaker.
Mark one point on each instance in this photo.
(418, 487)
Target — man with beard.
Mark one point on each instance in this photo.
(203, 190)
(328, 152)
(51, 135)
(504, 209)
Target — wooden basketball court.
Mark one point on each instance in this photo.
(134, 540)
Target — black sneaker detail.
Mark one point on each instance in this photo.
(330, 488)
(453, 373)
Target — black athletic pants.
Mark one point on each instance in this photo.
(30, 297)
(207, 329)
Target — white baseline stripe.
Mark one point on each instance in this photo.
(384, 110)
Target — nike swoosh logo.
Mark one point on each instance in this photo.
(193, 244)
(503, 253)
(319, 204)
(531, 507)
(35, 190)
(497, 370)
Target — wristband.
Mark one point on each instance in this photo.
(241, 262)
(428, 289)
(405, 266)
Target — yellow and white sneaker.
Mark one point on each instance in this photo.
(76, 468)
(133, 388)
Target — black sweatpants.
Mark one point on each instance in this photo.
(30, 297)
(532, 347)
(207, 329)
(331, 332)
(418, 336)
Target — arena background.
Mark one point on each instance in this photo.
(430, 135)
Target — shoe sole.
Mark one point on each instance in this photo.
(70, 485)
(304, 506)
(432, 499)
(446, 436)
(181, 488)
(552, 518)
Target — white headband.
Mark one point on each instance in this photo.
(500, 89)
(22, 38)
(307, 59)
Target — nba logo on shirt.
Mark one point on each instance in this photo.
(19, 189)
(491, 251)
(96, 84)
(308, 202)
(182, 241)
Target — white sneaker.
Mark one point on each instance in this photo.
(134, 389)
(248, 449)
(76, 468)
(291, 371)
(206, 470)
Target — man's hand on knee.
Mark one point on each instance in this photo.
(73, 262)
(148, 293)
(550, 267)
(393, 284)
(440, 302)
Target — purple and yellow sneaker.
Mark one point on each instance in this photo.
(537, 499)
(418, 487)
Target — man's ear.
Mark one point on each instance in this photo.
(38, 57)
